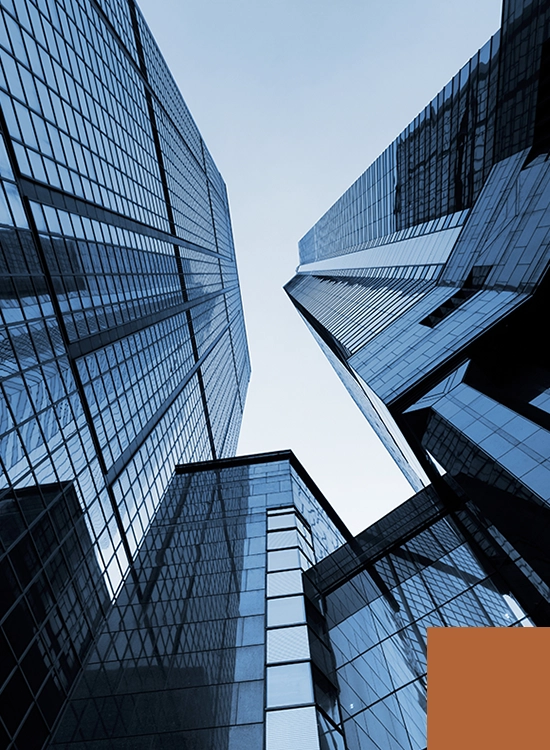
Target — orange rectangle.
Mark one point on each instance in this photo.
(488, 688)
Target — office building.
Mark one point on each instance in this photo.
(426, 285)
(251, 614)
(207, 643)
(420, 566)
(121, 328)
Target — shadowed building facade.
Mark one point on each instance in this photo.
(426, 285)
(122, 338)
(421, 566)
(207, 644)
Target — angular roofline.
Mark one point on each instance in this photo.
(272, 457)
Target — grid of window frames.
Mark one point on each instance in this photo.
(182, 655)
(433, 580)
(180, 659)
(434, 169)
(439, 163)
(390, 332)
(292, 715)
(121, 327)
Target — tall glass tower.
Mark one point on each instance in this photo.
(207, 644)
(426, 284)
(123, 348)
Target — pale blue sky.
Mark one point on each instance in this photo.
(295, 99)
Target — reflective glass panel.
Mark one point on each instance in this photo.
(287, 644)
(305, 547)
(283, 559)
(305, 562)
(284, 583)
(279, 511)
(287, 611)
(305, 531)
(294, 728)
(282, 539)
(285, 521)
(289, 685)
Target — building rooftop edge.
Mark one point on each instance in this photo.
(393, 142)
(272, 457)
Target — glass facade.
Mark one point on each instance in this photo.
(53, 599)
(225, 604)
(121, 328)
(420, 566)
(426, 282)
(251, 618)
(435, 170)
(426, 285)
(210, 642)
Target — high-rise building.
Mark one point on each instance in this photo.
(426, 285)
(421, 566)
(251, 615)
(207, 643)
(123, 348)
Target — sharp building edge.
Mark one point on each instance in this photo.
(253, 619)
(427, 287)
(123, 347)
(425, 283)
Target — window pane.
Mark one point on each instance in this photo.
(286, 521)
(288, 611)
(282, 539)
(289, 685)
(306, 548)
(336, 741)
(283, 559)
(287, 644)
(305, 563)
(305, 531)
(294, 728)
(278, 511)
(282, 584)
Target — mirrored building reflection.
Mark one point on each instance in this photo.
(426, 286)
(123, 348)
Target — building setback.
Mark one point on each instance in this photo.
(426, 285)
(123, 349)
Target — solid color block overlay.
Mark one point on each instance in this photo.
(488, 688)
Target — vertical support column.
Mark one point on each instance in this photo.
(291, 718)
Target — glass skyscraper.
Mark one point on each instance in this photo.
(426, 284)
(207, 644)
(420, 566)
(123, 348)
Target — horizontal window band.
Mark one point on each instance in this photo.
(103, 338)
(56, 198)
